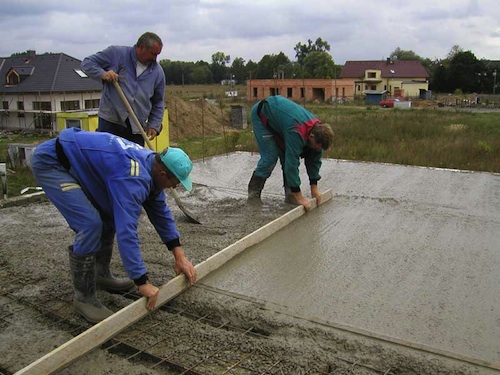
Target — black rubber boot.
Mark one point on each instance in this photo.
(104, 278)
(83, 275)
(255, 187)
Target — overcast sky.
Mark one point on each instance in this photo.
(194, 30)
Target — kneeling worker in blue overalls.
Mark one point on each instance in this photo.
(100, 183)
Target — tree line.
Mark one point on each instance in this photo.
(459, 71)
(312, 60)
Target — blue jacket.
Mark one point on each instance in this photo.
(145, 93)
(117, 177)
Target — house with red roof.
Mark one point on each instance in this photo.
(396, 78)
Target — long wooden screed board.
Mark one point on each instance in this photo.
(105, 330)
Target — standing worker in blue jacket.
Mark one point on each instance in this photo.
(286, 131)
(142, 81)
(100, 183)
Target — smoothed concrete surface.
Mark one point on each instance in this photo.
(408, 252)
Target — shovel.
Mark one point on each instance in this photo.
(137, 123)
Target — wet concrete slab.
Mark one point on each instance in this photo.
(408, 252)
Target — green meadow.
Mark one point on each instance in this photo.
(424, 137)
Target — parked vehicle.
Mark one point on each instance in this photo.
(388, 103)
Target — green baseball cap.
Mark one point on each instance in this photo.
(179, 164)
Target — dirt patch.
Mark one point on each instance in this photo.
(197, 118)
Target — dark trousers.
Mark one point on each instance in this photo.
(119, 130)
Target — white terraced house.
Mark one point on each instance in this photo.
(34, 88)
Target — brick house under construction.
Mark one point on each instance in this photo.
(301, 89)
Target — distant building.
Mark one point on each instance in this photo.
(323, 90)
(399, 78)
(33, 88)
(228, 82)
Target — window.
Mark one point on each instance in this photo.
(274, 91)
(92, 103)
(255, 92)
(302, 92)
(371, 75)
(73, 123)
(81, 73)
(12, 79)
(5, 107)
(70, 105)
(289, 92)
(42, 106)
(43, 120)
(20, 108)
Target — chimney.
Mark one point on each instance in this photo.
(30, 55)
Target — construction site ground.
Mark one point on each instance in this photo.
(397, 274)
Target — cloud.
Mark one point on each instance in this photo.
(193, 30)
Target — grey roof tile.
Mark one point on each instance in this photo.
(51, 72)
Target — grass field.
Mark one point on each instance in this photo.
(424, 137)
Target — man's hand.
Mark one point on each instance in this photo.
(150, 291)
(151, 133)
(182, 264)
(316, 194)
(110, 76)
(302, 200)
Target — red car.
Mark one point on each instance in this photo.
(388, 103)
